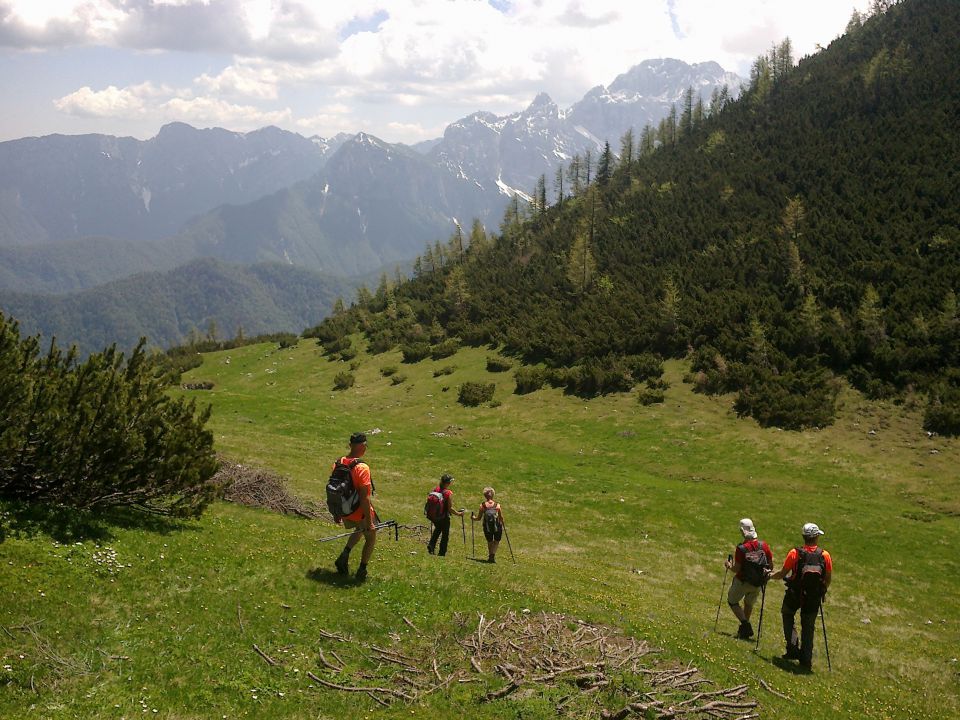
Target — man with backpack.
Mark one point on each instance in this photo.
(752, 563)
(808, 570)
(349, 500)
(438, 509)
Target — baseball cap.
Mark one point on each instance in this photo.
(357, 438)
(746, 527)
(811, 530)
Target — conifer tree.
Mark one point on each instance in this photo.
(627, 149)
(604, 165)
(581, 265)
(558, 185)
(98, 434)
(478, 237)
(457, 290)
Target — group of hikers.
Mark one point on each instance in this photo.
(349, 499)
(807, 568)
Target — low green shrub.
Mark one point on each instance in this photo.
(343, 380)
(388, 370)
(529, 379)
(444, 349)
(474, 393)
(445, 370)
(650, 396)
(397, 379)
(498, 364)
(415, 352)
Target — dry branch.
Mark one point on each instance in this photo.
(261, 653)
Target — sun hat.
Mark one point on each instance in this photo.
(810, 530)
(746, 527)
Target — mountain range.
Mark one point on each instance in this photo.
(77, 212)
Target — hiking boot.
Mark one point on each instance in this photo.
(341, 565)
(745, 631)
(491, 559)
(792, 653)
(806, 665)
(361, 573)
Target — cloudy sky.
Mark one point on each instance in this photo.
(399, 69)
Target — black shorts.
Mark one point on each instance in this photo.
(494, 536)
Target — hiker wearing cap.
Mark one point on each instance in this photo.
(751, 565)
(492, 517)
(363, 519)
(441, 519)
(808, 570)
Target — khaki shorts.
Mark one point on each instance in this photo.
(739, 590)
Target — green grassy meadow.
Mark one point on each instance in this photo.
(617, 513)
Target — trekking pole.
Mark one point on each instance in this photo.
(722, 586)
(473, 547)
(763, 597)
(823, 624)
(378, 526)
(507, 536)
(463, 527)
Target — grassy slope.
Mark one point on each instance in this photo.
(617, 513)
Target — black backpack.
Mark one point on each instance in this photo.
(342, 496)
(491, 520)
(755, 565)
(809, 573)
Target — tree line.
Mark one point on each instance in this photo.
(806, 233)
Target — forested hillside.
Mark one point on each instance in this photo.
(205, 298)
(807, 231)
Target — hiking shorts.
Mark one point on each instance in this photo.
(740, 590)
(494, 536)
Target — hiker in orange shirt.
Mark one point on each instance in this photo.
(363, 519)
(808, 570)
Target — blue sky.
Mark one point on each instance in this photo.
(399, 69)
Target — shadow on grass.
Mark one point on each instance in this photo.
(329, 576)
(790, 666)
(66, 525)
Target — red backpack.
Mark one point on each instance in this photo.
(433, 508)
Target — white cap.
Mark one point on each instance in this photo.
(747, 529)
(810, 530)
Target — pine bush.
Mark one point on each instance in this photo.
(474, 393)
(98, 434)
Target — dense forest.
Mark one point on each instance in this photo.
(181, 305)
(807, 231)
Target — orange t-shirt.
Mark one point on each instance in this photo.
(790, 562)
(361, 481)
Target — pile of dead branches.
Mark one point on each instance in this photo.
(587, 667)
(534, 650)
(256, 487)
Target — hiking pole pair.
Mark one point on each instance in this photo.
(722, 586)
(377, 526)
